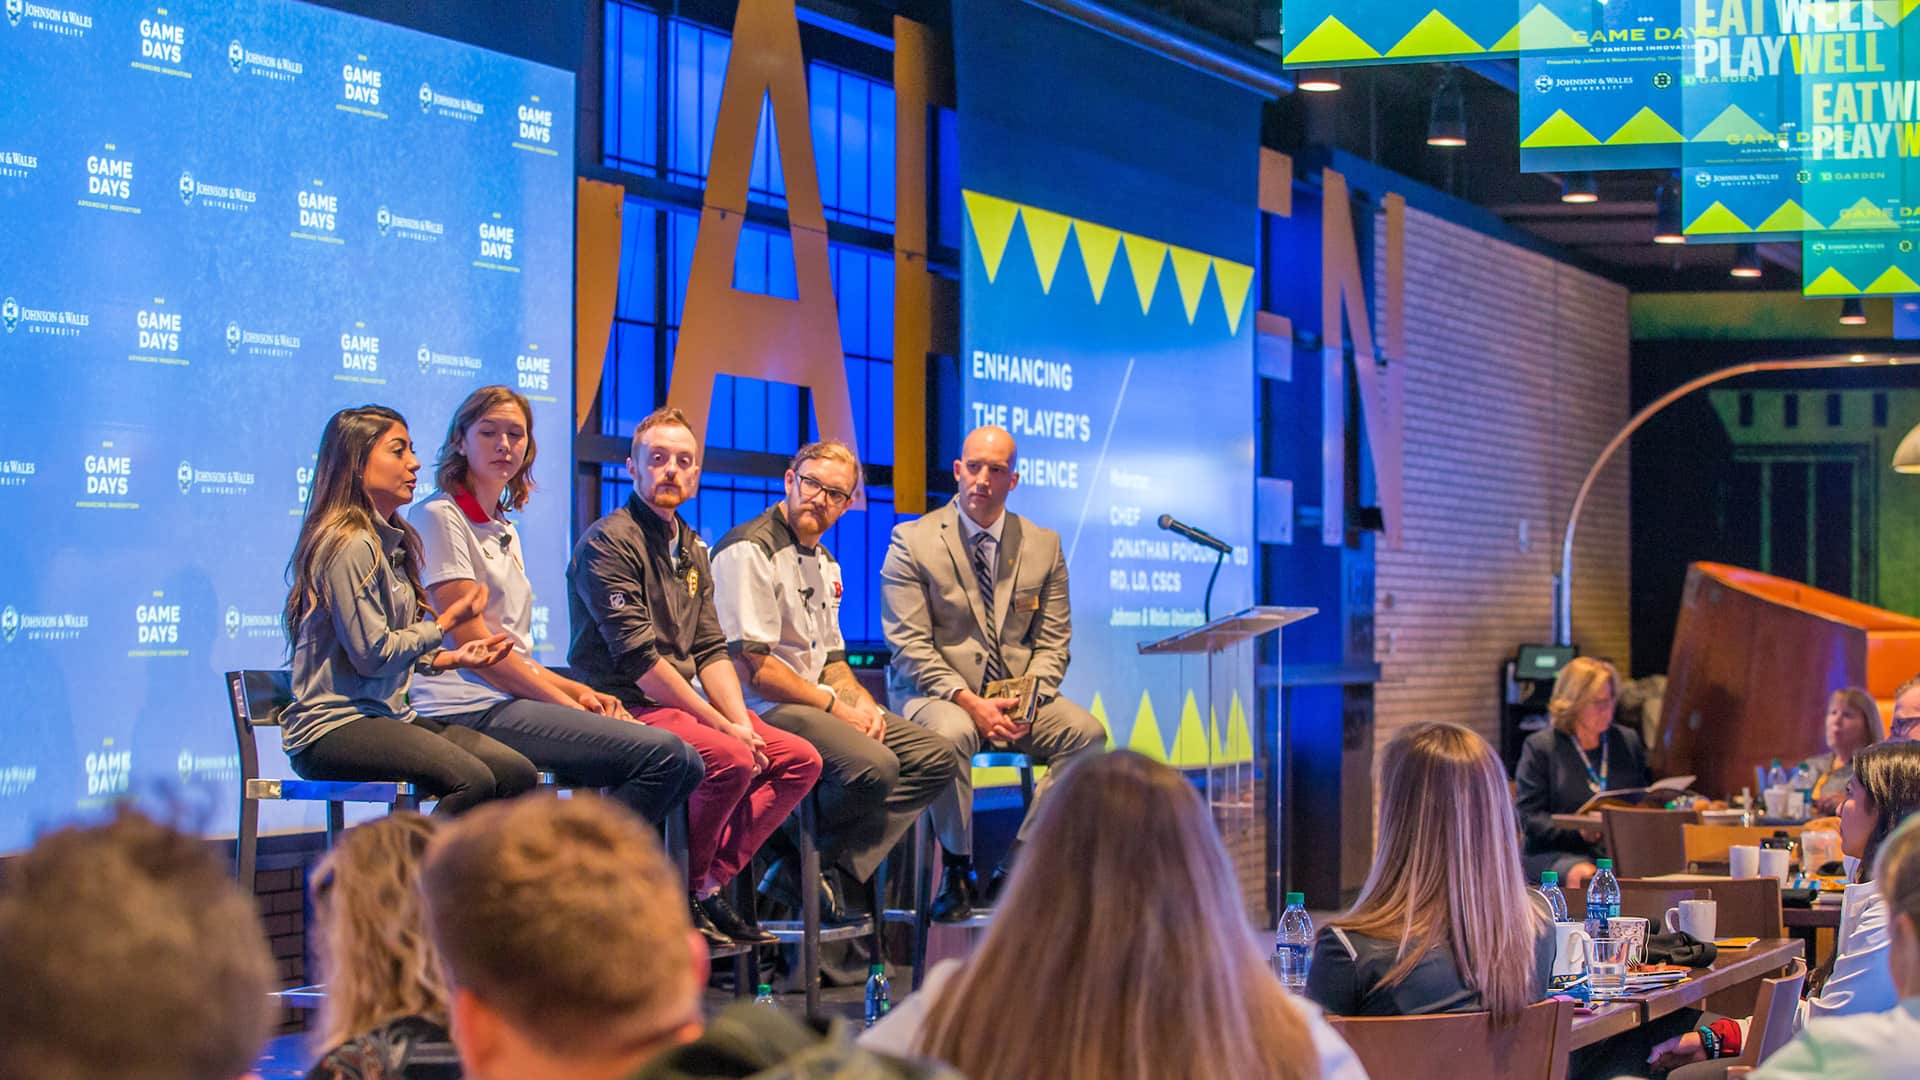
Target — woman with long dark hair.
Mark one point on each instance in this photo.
(471, 549)
(359, 629)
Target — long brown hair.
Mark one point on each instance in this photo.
(338, 510)
(450, 468)
(375, 956)
(1128, 956)
(1446, 872)
(1889, 773)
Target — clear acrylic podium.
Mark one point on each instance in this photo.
(1221, 736)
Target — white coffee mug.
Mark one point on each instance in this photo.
(1773, 864)
(1569, 948)
(1694, 918)
(1634, 929)
(1743, 860)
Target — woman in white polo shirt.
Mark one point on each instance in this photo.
(582, 736)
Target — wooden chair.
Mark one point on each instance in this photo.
(1747, 907)
(1646, 842)
(1463, 1044)
(1773, 1014)
(1708, 844)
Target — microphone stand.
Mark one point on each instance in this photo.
(1206, 607)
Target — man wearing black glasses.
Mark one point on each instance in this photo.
(1906, 711)
(778, 591)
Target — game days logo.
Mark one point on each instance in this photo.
(16, 316)
(163, 47)
(159, 337)
(303, 487)
(109, 480)
(109, 771)
(497, 240)
(537, 632)
(535, 127)
(360, 90)
(156, 625)
(359, 356)
(533, 372)
(109, 182)
(319, 212)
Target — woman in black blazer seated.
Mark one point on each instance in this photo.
(1565, 765)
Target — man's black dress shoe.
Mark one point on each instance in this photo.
(733, 924)
(705, 927)
(954, 902)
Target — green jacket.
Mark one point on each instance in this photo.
(766, 1044)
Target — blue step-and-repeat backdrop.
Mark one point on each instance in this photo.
(219, 224)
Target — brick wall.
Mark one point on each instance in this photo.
(1516, 377)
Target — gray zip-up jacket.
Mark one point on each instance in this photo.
(357, 649)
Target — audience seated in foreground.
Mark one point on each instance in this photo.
(385, 1001)
(569, 954)
(1878, 1045)
(127, 951)
(1127, 958)
(1444, 922)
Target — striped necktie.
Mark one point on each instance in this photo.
(983, 576)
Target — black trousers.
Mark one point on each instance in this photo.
(460, 767)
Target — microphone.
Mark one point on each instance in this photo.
(1205, 540)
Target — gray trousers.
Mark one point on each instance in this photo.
(1060, 731)
(870, 791)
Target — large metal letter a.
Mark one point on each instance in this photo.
(728, 332)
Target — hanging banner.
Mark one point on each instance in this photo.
(1614, 103)
(1330, 33)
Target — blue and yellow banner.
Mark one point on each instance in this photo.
(1613, 103)
(1325, 33)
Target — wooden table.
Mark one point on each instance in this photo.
(1587, 822)
(1817, 917)
(1731, 968)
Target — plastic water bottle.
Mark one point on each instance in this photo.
(879, 994)
(764, 995)
(1803, 781)
(1293, 944)
(1550, 892)
(1603, 897)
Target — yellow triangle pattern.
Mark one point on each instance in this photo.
(1559, 130)
(1098, 710)
(1645, 128)
(1190, 273)
(1047, 232)
(1145, 736)
(1893, 280)
(1831, 282)
(1239, 746)
(1733, 122)
(1145, 257)
(1331, 42)
(1435, 35)
(1190, 749)
(1235, 279)
(992, 221)
(1717, 219)
(1791, 217)
(1099, 244)
(1863, 215)
(1538, 30)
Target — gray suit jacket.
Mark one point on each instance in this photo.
(933, 612)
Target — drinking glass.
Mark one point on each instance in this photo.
(1607, 966)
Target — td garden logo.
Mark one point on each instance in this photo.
(9, 313)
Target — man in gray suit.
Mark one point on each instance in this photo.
(969, 594)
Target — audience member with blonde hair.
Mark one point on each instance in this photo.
(569, 954)
(385, 1001)
(127, 951)
(1445, 922)
(1851, 723)
(1876, 1045)
(1132, 960)
(1583, 753)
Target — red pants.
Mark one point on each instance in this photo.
(733, 811)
